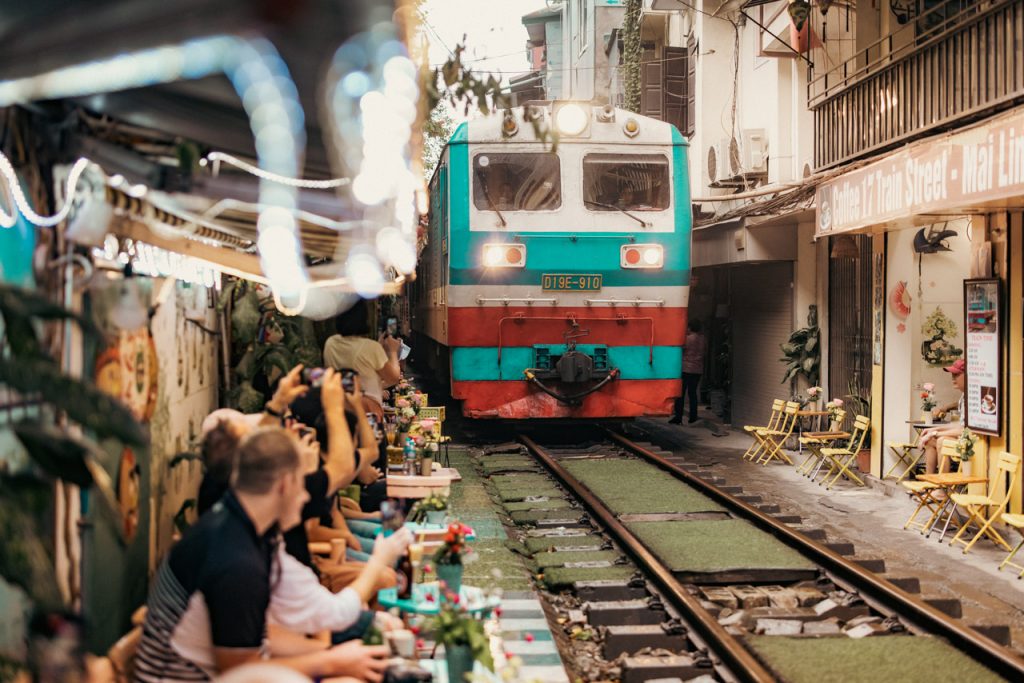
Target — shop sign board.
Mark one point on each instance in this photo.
(940, 175)
(984, 354)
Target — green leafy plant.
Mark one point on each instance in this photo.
(26, 556)
(631, 54)
(454, 626)
(802, 353)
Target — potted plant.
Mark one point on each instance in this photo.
(433, 509)
(450, 557)
(927, 402)
(965, 444)
(813, 396)
(463, 638)
(834, 407)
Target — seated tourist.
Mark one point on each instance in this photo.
(932, 438)
(218, 579)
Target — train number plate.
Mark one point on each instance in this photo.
(555, 282)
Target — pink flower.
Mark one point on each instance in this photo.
(401, 403)
(528, 637)
(928, 386)
(428, 424)
(838, 402)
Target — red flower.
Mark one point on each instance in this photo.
(420, 644)
(528, 637)
(415, 630)
(427, 569)
(455, 599)
(429, 597)
(497, 611)
(509, 655)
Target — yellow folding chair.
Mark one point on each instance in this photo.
(1017, 522)
(840, 459)
(908, 454)
(774, 439)
(1006, 469)
(925, 491)
(815, 441)
(778, 406)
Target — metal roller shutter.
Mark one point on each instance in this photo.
(762, 313)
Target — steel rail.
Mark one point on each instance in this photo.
(871, 586)
(740, 661)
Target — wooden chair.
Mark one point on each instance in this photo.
(775, 439)
(778, 406)
(815, 441)
(1017, 522)
(840, 459)
(976, 505)
(925, 492)
(908, 454)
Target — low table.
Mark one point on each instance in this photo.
(415, 486)
(426, 600)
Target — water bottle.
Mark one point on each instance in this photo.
(409, 456)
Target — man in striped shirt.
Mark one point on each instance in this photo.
(226, 566)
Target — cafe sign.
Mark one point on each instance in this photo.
(936, 176)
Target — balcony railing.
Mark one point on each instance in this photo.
(958, 60)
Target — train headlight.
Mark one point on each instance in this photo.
(505, 255)
(631, 128)
(642, 256)
(571, 119)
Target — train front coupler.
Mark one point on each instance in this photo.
(575, 399)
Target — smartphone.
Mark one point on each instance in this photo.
(313, 377)
(348, 379)
(391, 517)
(392, 328)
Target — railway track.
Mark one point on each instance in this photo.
(805, 588)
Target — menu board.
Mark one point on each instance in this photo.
(984, 396)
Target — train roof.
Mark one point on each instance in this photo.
(606, 125)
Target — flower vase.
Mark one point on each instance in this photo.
(459, 659)
(927, 417)
(436, 516)
(451, 574)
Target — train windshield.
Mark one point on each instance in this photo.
(522, 181)
(635, 182)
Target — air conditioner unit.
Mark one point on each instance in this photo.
(724, 160)
(754, 151)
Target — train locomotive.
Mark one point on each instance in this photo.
(555, 278)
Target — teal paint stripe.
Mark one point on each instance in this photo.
(458, 184)
(481, 363)
(684, 209)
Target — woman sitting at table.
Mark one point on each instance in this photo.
(931, 439)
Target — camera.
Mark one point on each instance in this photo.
(313, 377)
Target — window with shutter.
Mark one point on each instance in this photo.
(651, 85)
(674, 88)
(690, 121)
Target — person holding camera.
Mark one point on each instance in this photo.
(376, 361)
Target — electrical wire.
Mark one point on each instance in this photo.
(273, 177)
(20, 202)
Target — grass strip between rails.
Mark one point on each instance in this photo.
(907, 659)
(634, 487)
(716, 545)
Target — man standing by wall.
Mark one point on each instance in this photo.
(693, 366)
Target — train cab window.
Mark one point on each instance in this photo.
(524, 181)
(636, 182)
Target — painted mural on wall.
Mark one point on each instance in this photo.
(937, 348)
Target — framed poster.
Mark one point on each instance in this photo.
(984, 354)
